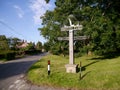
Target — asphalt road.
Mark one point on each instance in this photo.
(13, 72)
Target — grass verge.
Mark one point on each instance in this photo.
(97, 73)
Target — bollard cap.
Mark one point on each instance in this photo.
(48, 62)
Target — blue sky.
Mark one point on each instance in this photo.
(21, 18)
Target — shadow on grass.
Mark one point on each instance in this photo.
(89, 64)
(107, 56)
(102, 58)
(83, 76)
(83, 68)
(95, 60)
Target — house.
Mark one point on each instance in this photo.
(23, 44)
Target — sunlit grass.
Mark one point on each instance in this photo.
(97, 73)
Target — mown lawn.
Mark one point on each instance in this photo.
(97, 73)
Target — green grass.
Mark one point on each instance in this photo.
(97, 73)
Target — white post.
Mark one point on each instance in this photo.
(71, 47)
(48, 67)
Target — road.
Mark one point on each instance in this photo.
(12, 73)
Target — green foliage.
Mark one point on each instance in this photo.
(3, 43)
(56, 48)
(8, 55)
(46, 46)
(100, 20)
(2, 56)
(104, 20)
(8, 47)
(30, 47)
(39, 46)
(13, 42)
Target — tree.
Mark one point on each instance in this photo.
(13, 42)
(51, 31)
(46, 46)
(39, 46)
(3, 43)
(30, 47)
(100, 19)
(104, 19)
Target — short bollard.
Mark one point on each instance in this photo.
(48, 67)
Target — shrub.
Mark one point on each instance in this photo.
(1, 56)
(9, 55)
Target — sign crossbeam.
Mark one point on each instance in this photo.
(81, 38)
(75, 38)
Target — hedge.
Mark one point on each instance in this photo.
(8, 55)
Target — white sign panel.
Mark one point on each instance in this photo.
(73, 27)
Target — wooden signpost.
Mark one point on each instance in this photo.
(71, 67)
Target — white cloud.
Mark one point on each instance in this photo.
(39, 7)
(20, 12)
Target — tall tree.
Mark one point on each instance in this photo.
(100, 18)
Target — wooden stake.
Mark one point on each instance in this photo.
(80, 70)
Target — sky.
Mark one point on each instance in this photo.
(21, 18)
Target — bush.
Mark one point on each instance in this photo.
(10, 55)
(1, 56)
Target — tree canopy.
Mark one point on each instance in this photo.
(100, 20)
(3, 43)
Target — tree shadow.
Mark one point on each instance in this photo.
(102, 58)
(107, 56)
(95, 60)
